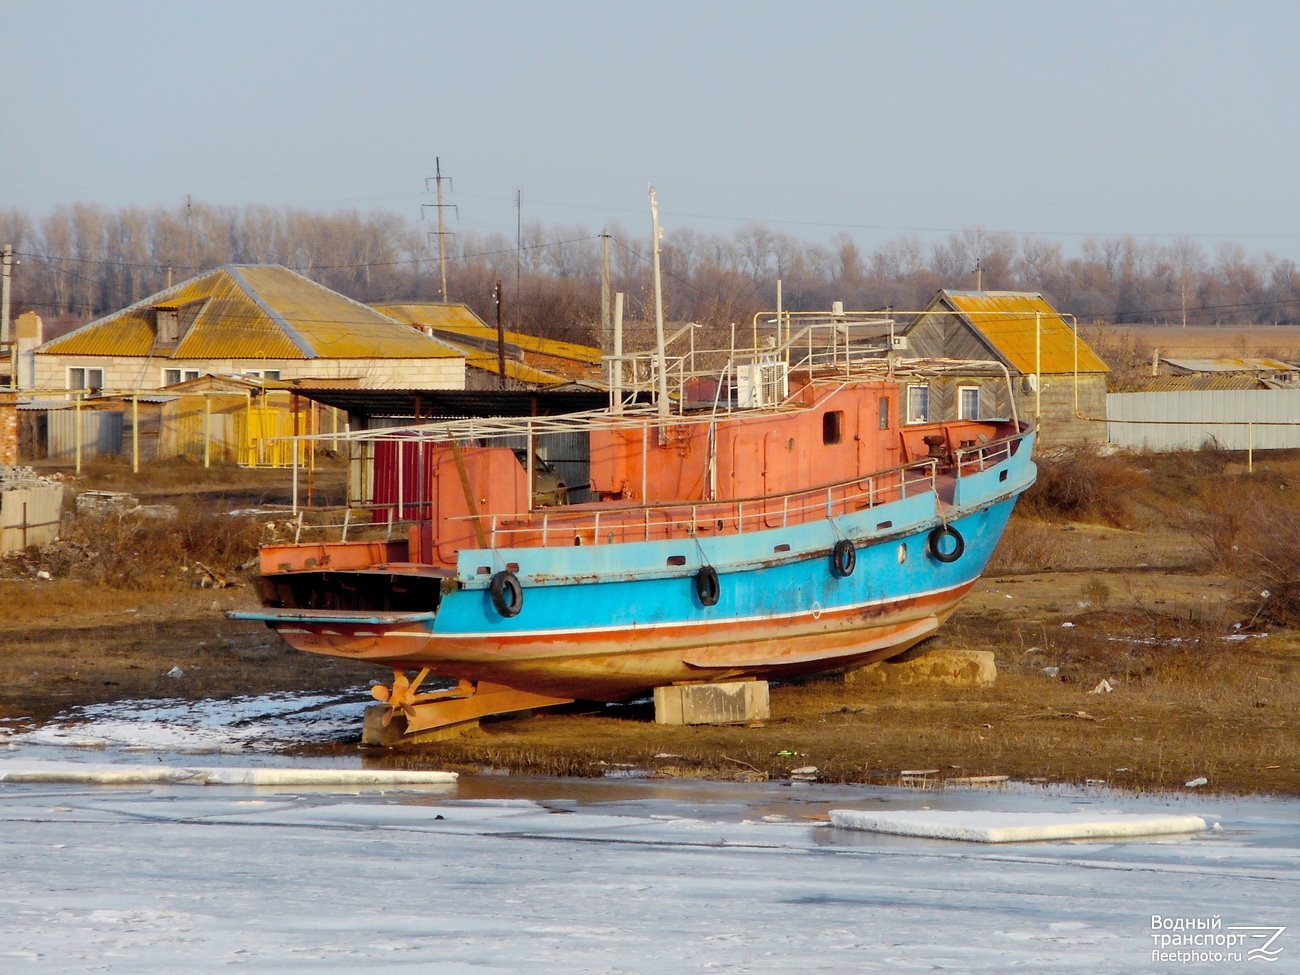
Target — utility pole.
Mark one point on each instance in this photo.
(605, 330)
(979, 275)
(6, 269)
(501, 341)
(442, 232)
(6, 332)
(519, 250)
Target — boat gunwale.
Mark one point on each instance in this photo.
(587, 516)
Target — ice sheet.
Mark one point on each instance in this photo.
(169, 878)
(498, 874)
(982, 826)
(55, 772)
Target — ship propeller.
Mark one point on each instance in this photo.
(401, 696)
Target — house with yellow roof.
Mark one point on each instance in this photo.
(1056, 378)
(254, 320)
(529, 361)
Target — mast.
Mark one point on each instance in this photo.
(660, 357)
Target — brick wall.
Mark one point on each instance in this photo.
(8, 430)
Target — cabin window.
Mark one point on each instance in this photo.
(172, 376)
(918, 404)
(81, 377)
(832, 426)
(884, 412)
(968, 402)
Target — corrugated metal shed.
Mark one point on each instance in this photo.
(1025, 329)
(1202, 381)
(1228, 364)
(98, 431)
(251, 311)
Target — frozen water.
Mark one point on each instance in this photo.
(238, 725)
(497, 874)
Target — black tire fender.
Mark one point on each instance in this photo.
(936, 544)
(707, 587)
(844, 558)
(507, 593)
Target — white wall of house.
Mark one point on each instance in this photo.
(123, 373)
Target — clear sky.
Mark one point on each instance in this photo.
(1059, 119)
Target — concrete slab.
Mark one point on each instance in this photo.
(1014, 827)
(730, 703)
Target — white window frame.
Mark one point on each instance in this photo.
(182, 375)
(962, 412)
(83, 377)
(918, 395)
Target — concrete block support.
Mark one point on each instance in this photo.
(731, 703)
(375, 732)
(951, 667)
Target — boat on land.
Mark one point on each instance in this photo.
(791, 510)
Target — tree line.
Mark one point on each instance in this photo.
(87, 260)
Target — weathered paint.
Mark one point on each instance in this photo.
(609, 602)
(606, 622)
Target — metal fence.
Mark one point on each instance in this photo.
(1238, 419)
(85, 433)
(30, 514)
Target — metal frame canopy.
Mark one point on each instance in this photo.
(435, 404)
(487, 415)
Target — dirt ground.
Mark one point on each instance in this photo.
(1192, 696)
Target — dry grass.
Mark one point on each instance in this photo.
(1200, 342)
(1080, 483)
(147, 553)
(1180, 717)
(224, 486)
(1028, 545)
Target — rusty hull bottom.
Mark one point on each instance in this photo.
(615, 666)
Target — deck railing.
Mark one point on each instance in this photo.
(598, 523)
(582, 525)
